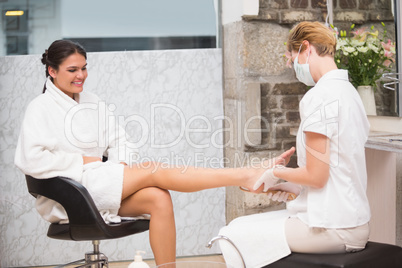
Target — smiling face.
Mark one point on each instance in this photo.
(71, 74)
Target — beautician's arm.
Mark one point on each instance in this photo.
(316, 171)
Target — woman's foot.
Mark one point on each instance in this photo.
(256, 173)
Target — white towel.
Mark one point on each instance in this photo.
(260, 238)
(104, 182)
(111, 218)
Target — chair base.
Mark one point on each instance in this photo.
(93, 259)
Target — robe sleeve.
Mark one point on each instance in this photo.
(120, 149)
(38, 154)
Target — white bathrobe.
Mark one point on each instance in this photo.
(57, 132)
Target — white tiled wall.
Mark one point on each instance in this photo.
(171, 91)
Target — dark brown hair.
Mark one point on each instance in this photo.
(57, 52)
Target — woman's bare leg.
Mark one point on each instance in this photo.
(162, 231)
(191, 179)
(143, 185)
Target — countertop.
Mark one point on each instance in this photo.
(378, 140)
(385, 141)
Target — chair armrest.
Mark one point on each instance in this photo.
(74, 198)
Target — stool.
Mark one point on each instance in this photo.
(375, 255)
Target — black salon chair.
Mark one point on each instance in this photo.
(375, 255)
(85, 222)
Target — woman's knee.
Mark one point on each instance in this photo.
(149, 200)
(137, 177)
(161, 200)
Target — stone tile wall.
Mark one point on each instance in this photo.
(291, 11)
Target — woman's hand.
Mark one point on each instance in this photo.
(90, 159)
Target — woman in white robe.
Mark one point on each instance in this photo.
(66, 132)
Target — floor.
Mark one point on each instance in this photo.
(211, 258)
(213, 261)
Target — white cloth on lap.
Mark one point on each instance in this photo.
(103, 180)
(106, 184)
(260, 238)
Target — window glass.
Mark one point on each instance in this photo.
(102, 25)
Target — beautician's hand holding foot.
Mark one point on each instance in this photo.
(283, 192)
(268, 179)
(268, 176)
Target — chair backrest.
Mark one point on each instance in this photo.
(74, 198)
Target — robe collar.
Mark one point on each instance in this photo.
(59, 96)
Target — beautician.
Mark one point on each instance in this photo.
(331, 213)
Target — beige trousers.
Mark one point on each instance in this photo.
(304, 239)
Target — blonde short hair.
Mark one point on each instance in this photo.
(317, 34)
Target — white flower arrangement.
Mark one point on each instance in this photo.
(364, 54)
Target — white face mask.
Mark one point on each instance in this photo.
(303, 70)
